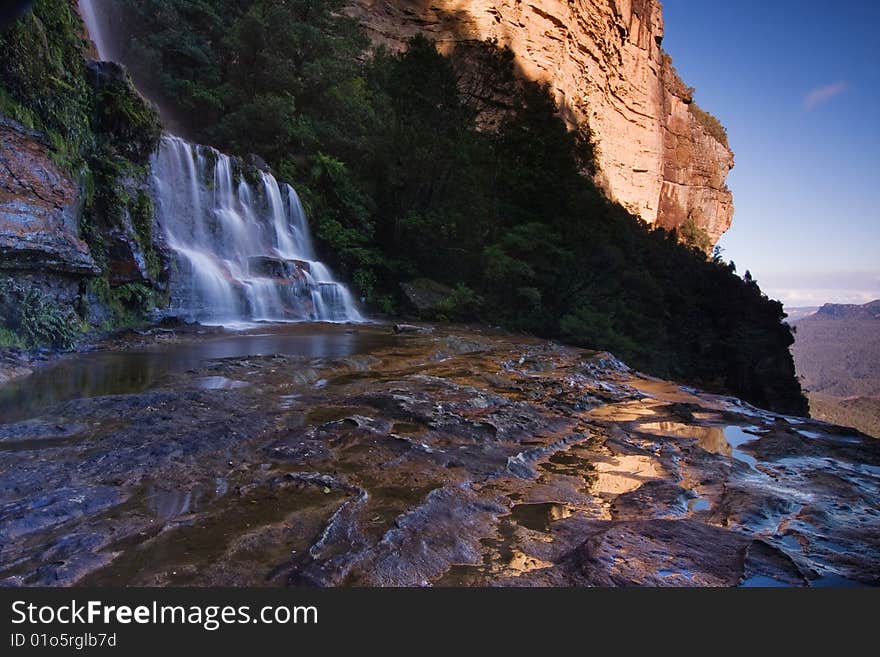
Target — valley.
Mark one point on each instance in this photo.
(837, 354)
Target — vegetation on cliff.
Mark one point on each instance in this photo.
(419, 166)
(42, 79)
(31, 319)
(710, 123)
(102, 133)
(403, 181)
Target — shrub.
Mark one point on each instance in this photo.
(127, 304)
(463, 304)
(694, 236)
(34, 320)
(710, 123)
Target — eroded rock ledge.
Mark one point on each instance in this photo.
(39, 210)
(604, 60)
(451, 457)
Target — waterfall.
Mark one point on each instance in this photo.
(90, 13)
(242, 250)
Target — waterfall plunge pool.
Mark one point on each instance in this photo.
(136, 368)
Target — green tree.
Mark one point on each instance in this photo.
(415, 165)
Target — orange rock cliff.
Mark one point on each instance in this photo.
(657, 153)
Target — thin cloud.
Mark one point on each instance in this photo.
(823, 94)
(816, 287)
(800, 298)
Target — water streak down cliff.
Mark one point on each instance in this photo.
(604, 62)
(240, 252)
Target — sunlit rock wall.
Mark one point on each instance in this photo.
(603, 59)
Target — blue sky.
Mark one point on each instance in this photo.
(797, 84)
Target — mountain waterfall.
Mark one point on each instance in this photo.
(242, 249)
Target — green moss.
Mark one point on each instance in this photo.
(142, 211)
(128, 304)
(108, 203)
(42, 70)
(123, 120)
(65, 153)
(252, 176)
(16, 111)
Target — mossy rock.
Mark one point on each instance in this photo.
(425, 295)
(122, 118)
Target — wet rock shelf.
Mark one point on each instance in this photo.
(361, 456)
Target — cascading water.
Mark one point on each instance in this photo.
(242, 252)
(90, 15)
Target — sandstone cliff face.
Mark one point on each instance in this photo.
(39, 210)
(604, 61)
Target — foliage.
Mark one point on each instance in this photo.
(463, 303)
(124, 123)
(9, 339)
(100, 129)
(42, 70)
(694, 236)
(127, 304)
(275, 78)
(141, 211)
(710, 123)
(30, 319)
(418, 165)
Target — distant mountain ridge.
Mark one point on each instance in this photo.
(870, 310)
(837, 356)
(799, 313)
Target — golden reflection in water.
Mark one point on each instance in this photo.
(665, 391)
(521, 563)
(628, 411)
(712, 439)
(623, 474)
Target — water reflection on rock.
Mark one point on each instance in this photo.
(624, 473)
(220, 383)
(311, 455)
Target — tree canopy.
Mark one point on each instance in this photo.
(416, 165)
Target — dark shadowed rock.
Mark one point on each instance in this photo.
(411, 328)
(424, 294)
(258, 163)
(662, 553)
(126, 262)
(277, 267)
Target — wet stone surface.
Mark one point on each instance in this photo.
(346, 456)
